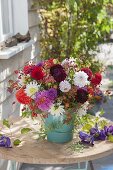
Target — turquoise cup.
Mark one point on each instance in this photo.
(57, 131)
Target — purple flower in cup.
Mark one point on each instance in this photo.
(85, 138)
(98, 134)
(94, 131)
(102, 135)
(5, 142)
(108, 130)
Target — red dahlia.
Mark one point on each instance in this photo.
(27, 69)
(96, 79)
(22, 97)
(37, 73)
(88, 72)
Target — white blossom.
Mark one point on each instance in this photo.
(81, 79)
(83, 110)
(65, 86)
(32, 88)
(22, 79)
(57, 110)
(69, 61)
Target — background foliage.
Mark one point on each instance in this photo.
(73, 28)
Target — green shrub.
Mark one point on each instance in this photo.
(73, 28)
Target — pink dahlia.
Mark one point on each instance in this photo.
(42, 101)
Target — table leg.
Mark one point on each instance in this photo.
(91, 165)
(12, 165)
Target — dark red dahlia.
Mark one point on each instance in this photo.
(58, 72)
(96, 79)
(37, 73)
(88, 72)
(82, 95)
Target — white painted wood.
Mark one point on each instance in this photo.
(20, 16)
(15, 61)
(6, 24)
(17, 18)
(10, 52)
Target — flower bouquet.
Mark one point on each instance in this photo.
(58, 92)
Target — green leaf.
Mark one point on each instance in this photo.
(25, 130)
(6, 123)
(102, 112)
(102, 123)
(110, 138)
(72, 5)
(16, 142)
(86, 127)
(24, 114)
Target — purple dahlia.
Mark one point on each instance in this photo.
(42, 101)
(52, 94)
(58, 72)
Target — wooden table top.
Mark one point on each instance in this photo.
(43, 152)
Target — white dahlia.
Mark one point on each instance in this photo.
(65, 86)
(83, 110)
(57, 110)
(32, 88)
(81, 79)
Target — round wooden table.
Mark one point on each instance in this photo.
(33, 151)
